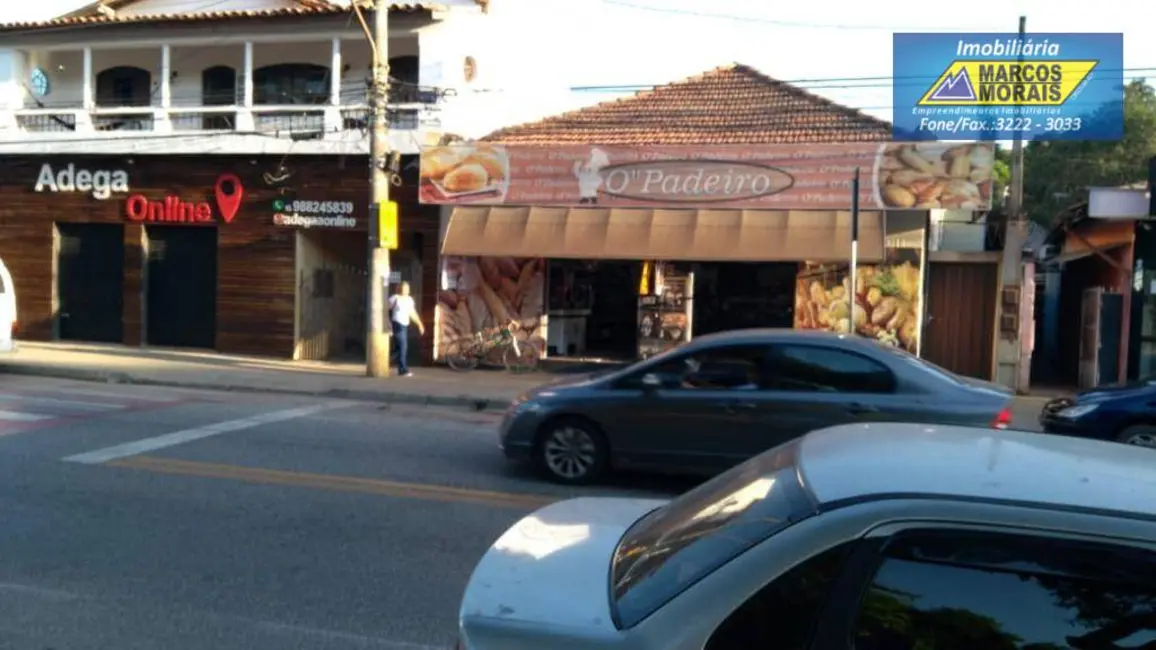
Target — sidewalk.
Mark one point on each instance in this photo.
(480, 389)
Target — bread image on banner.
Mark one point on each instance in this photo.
(466, 171)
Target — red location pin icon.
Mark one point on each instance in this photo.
(229, 193)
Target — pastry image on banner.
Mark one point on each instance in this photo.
(465, 173)
(886, 298)
(484, 294)
(934, 175)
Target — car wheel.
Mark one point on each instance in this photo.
(572, 451)
(1141, 435)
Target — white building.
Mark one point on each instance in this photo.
(223, 76)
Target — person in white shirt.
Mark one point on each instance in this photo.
(402, 313)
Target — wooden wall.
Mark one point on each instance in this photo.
(256, 269)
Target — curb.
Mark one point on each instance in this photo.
(470, 402)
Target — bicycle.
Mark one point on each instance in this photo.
(517, 356)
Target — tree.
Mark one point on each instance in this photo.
(1057, 173)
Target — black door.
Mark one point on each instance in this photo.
(1108, 355)
(182, 286)
(90, 282)
(218, 88)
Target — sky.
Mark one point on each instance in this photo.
(651, 42)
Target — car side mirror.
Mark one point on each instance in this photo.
(651, 381)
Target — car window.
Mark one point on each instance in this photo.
(732, 367)
(814, 368)
(921, 363)
(785, 613)
(977, 590)
(677, 545)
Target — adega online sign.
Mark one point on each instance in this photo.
(995, 86)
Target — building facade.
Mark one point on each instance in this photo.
(637, 260)
(120, 124)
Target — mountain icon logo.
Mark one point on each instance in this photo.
(954, 87)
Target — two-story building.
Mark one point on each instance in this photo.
(196, 174)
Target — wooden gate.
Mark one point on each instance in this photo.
(332, 316)
(959, 320)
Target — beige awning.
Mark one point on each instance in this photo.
(643, 234)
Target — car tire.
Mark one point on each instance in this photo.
(1140, 435)
(572, 451)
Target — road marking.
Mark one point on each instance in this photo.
(344, 637)
(333, 482)
(97, 406)
(16, 416)
(188, 435)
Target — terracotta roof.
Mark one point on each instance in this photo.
(733, 104)
(90, 15)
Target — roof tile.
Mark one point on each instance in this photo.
(304, 8)
(733, 104)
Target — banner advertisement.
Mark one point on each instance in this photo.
(664, 314)
(998, 86)
(926, 175)
(887, 299)
(481, 295)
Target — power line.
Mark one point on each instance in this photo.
(830, 82)
(786, 23)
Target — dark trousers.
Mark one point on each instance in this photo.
(401, 346)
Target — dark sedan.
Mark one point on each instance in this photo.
(1125, 413)
(723, 398)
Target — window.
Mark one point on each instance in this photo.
(784, 614)
(962, 591)
(821, 369)
(737, 367)
(677, 545)
(291, 83)
(123, 86)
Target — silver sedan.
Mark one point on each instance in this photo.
(884, 536)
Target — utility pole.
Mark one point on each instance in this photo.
(854, 274)
(1008, 349)
(376, 337)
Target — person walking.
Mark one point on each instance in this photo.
(403, 313)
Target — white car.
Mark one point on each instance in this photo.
(8, 319)
(872, 536)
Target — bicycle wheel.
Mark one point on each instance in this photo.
(461, 355)
(524, 358)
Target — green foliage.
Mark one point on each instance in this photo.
(1058, 173)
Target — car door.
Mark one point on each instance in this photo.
(7, 310)
(815, 386)
(703, 413)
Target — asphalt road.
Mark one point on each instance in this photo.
(142, 518)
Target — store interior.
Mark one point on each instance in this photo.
(593, 304)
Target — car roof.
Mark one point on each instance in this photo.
(861, 461)
(769, 335)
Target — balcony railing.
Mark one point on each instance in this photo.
(278, 120)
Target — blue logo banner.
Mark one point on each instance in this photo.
(995, 86)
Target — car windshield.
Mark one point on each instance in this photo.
(677, 545)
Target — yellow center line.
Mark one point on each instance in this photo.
(332, 482)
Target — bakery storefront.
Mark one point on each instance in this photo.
(623, 251)
(233, 253)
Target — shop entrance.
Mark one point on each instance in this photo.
(740, 295)
(331, 287)
(181, 281)
(593, 308)
(90, 282)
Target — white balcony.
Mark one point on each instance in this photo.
(243, 97)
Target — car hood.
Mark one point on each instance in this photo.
(553, 566)
(568, 382)
(1144, 387)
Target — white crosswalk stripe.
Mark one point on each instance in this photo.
(17, 416)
